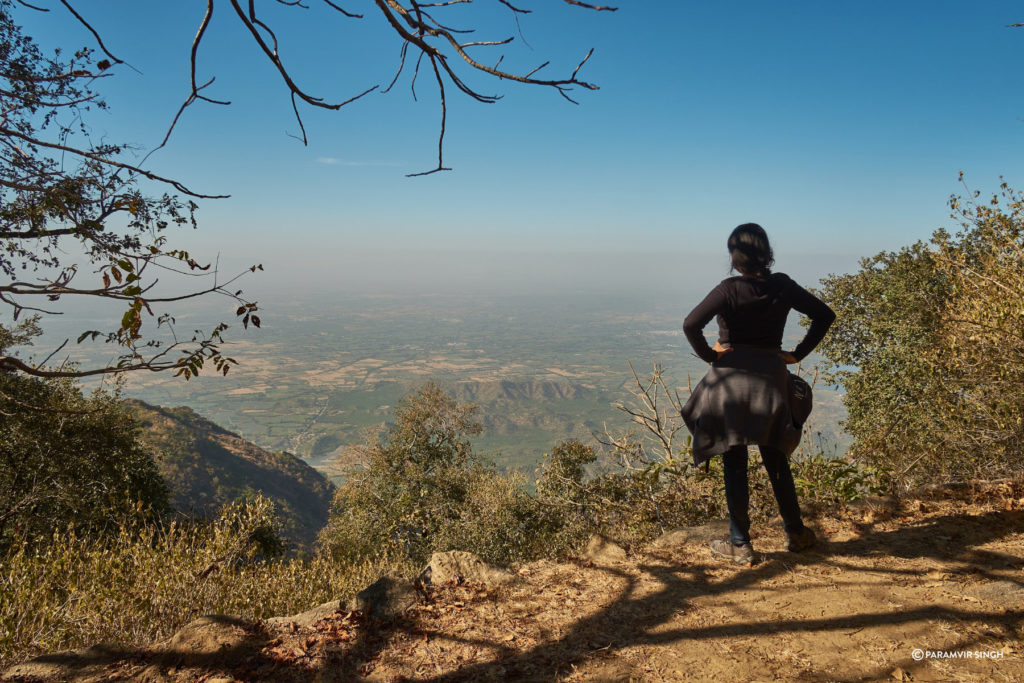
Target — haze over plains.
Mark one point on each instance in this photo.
(840, 127)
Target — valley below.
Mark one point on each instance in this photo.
(325, 373)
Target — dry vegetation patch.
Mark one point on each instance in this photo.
(942, 572)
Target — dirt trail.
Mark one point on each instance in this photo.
(943, 574)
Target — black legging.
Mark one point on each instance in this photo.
(737, 491)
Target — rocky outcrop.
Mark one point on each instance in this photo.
(213, 641)
(947, 558)
(67, 665)
(384, 599)
(602, 551)
(310, 616)
(458, 565)
(698, 535)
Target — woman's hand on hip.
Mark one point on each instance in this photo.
(788, 357)
(720, 350)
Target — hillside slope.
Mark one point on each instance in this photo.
(206, 466)
(889, 595)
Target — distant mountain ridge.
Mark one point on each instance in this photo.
(206, 466)
(517, 391)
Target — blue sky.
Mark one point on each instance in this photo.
(839, 126)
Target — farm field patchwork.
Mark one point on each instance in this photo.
(323, 374)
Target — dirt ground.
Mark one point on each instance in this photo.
(929, 590)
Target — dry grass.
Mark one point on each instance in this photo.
(141, 584)
(942, 572)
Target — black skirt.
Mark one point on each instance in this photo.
(742, 400)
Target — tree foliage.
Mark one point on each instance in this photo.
(928, 346)
(423, 489)
(69, 461)
(887, 314)
(78, 219)
(76, 223)
(981, 339)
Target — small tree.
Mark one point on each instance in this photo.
(415, 480)
(927, 345)
(980, 354)
(77, 220)
(422, 489)
(887, 317)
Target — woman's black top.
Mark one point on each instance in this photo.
(753, 311)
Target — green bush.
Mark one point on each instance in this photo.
(422, 489)
(928, 345)
(830, 482)
(500, 521)
(568, 504)
(69, 460)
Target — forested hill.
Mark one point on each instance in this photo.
(206, 466)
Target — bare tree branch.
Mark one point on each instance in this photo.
(599, 8)
(30, 6)
(348, 14)
(401, 65)
(108, 162)
(408, 18)
(251, 23)
(99, 41)
(660, 424)
(440, 139)
(515, 9)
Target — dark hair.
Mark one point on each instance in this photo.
(750, 251)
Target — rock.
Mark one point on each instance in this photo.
(218, 638)
(310, 616)
(874, 509)
(876, 504)
(384, 599)
(1002, 593)
(213, 634)
(601, 550)
(697, 535)
(212, 638)
(459, 564)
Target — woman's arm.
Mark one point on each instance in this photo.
(693, 326)
(821, 319)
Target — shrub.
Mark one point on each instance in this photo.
(69, 460)
(569, 505)
(829, 482)
(422, 489)
(928, 345)
(500, 521)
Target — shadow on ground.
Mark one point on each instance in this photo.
(663, 611)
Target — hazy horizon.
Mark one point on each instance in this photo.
(403, 271)
(546, 359)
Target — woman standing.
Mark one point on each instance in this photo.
(744, 397)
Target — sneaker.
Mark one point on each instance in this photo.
(801, 540)
(740, 554)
